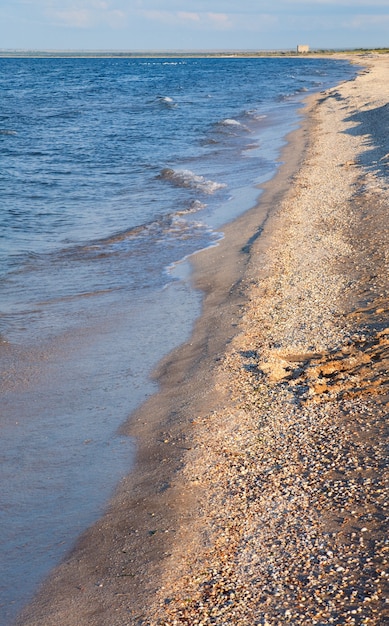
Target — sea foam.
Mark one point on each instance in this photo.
(188, 179)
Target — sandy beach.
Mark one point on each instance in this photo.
(260, 490)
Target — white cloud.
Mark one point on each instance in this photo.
(368, 21)
(211, 22)
(190, 17)
(80, 18)
(368, 4)
(84, 13)
(193, 23)
(252, 7)
(157, 16)
(228, 7)
(220, 20)
(200, 19)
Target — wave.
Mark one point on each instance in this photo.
(64, 114)
(194, 206)
(172, 224)
(230, 122)
(287, 96)
(186, 178)
(250, 146)
(231, 126)
(253, 114)
(167, 101)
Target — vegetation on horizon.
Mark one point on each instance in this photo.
(182, 53)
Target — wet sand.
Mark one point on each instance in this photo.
(259, 491)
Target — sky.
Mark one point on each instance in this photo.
(192, 24)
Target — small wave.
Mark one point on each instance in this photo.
(165, 225)
(287, 96)
(167, 101)
(231, 124)
(194, 206)
(186, 178)
(209, 141)
(63, 115)
(251, 146)
(255, 115)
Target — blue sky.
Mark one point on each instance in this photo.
(193, 24)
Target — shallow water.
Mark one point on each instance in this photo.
(112, 171)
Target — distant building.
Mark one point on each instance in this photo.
(302, 49)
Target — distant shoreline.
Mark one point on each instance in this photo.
(103, 54)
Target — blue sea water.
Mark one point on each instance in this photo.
(111, 172)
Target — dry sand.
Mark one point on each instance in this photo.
(259, 495)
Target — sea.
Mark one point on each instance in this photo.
(113, 173)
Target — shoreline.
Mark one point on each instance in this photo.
(161, 527)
